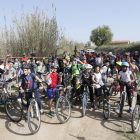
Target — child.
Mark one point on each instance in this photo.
(27, 81)
(97, 79)
(52, 78)
(127, 77)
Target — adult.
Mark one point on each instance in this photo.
(24, 57)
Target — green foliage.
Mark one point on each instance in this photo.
(101, 35)
(119, 48)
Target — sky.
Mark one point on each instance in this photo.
(80, 17)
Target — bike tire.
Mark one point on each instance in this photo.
(111, 90)
(134, 121)
(34, 112)
(122, 104)
(63, 104)
(84, 104)
(106, 109)
(13, 109)
(23, 100)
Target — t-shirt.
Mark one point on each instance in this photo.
(98, 60)
(28, 81)
(12, 71)
(52, 81)
(25, 58)
(125, 76)
(76, 69)
(104, 72)
(98, 78)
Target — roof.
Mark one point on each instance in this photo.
(120, 41)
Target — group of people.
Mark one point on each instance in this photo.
(85, 68)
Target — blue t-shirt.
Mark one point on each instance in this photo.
(28, 82)
(21, 71)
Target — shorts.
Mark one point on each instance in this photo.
(98, 91)
(51, 93)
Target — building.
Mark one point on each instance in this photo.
(119, 42)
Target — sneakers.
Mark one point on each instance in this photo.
(117, 109)
(95, 107)
(42, 112)
(19, 100)
(130, 111)
(52, 114)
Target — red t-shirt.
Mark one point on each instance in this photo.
(25, 58)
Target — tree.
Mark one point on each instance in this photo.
(101, 35)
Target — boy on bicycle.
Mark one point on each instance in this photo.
(127, 77)
(52, 78)
(27, 82)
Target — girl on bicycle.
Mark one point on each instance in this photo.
(127, 77)
(27, 82)
(97, 79)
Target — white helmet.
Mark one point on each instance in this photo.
(110, 53)
(136, 51)
(87, 66)
(54, 64)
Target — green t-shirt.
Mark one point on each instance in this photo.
(76, 69)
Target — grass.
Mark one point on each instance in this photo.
(13, 87)
(130, 136)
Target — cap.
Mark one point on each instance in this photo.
(33, 54)
(24, 53)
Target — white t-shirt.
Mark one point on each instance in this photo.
(104, 72)
(98, 78)
(125, 76)
(98, 60)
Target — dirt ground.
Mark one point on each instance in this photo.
(91, 127)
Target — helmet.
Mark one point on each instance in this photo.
(107, 61)
(23, 61)
(119, 63)
(64, 61)
(136, 52)
(110, 53)
(125, 64)
(11, 60)
(55, 64)
(87, 66)
(67, 58)
(26, 66)
(126, 54)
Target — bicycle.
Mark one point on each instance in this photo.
(114, 88)
(123, 98)
(106, 104)
(83, 97)
(12, 107)
(63, 106)
(33, 114)
(135, 123)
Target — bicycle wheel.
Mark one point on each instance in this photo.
(23, 100)
(42, 92)
(122, 104)
(34, 118)
(84, 104)
(106, 109)
(13, 109)
(63, 109)
(136, 119)
(111, 90)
